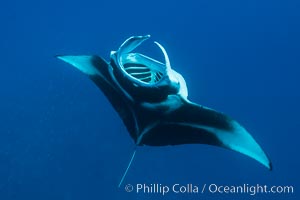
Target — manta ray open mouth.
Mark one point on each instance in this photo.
(140, 68)
(142, 72)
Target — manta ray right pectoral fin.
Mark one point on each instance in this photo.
(195, 124)
(224, 131)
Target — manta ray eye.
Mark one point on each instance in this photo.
(142, 72)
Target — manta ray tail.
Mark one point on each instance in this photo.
(126, 171)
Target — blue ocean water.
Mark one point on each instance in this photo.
(61, 139)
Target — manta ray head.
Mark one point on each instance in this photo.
(145, 78)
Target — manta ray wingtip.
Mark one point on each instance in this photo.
(270, 166)
(60, 57)
(57, 56)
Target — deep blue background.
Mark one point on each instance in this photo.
(61, 139)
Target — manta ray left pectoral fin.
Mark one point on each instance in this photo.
(195, 124)
(98, 71)
(87, 64)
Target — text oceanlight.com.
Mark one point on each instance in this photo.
(177, 188)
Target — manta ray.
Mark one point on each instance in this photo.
(152, 100)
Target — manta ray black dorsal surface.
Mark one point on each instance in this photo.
(151, 99)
